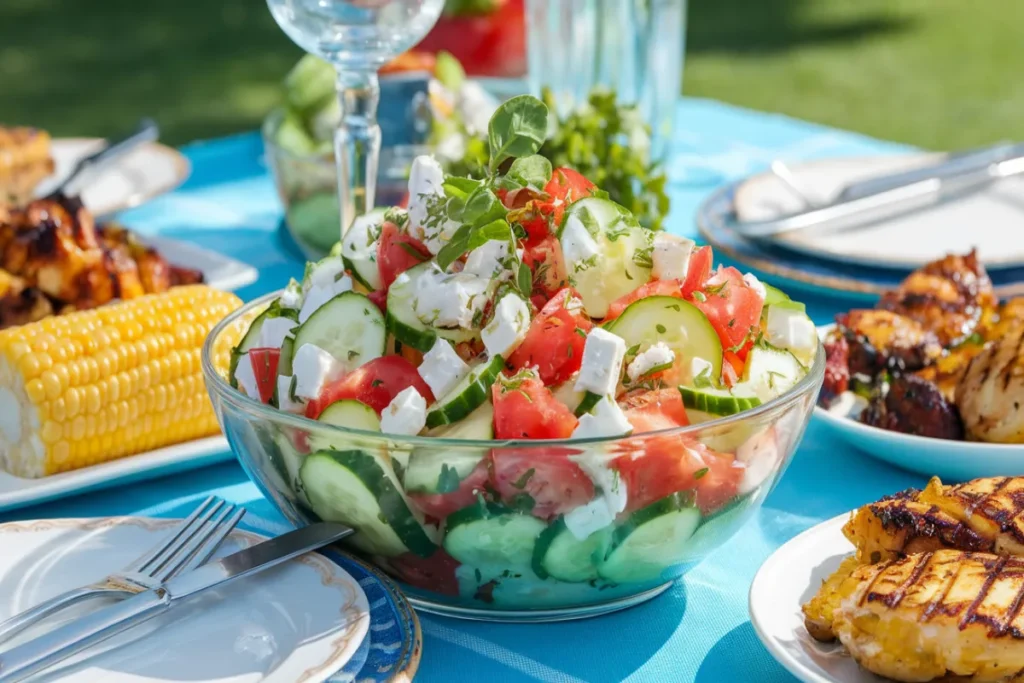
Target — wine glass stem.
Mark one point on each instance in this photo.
(357, 143)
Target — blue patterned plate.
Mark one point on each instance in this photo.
(392, 648)
(717, 215)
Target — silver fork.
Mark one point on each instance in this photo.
(189, 545)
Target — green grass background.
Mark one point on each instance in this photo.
(936, 73)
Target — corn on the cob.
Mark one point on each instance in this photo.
(92, 386)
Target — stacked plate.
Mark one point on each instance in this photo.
(862, 261)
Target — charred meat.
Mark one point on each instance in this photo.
(881, 340)
(912, 405)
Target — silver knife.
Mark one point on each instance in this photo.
(32, 657)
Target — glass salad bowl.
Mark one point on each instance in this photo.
(517, 530)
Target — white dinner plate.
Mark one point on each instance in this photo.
(788, 579)
(16, 492)
(301, 621)
(953, 461)
(219, 271)
(147, 171)
(982, 220)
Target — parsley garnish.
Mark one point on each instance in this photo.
(448, 480)
(581, 332)
(703, 379)
(699, 296)
(660, 328)
(642, 257)
(376, 382)
(520, 483)
(700, 473)
(717, 290)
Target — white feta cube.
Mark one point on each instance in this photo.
(701, 368)
(442, 368)
(490, 260)
(507, 329)
(670, 257)
(291, 297)
(274, 331)
(324, 273)
(406, 414)
(606, 419)
(450, 300)
(601, 366)
(578, 246)
(657, 355)
(318, 295)
(284, 396)
(755, 285)
(789, 328)
(612, 499)
(245, 377)
(426, 188)
(313, 368)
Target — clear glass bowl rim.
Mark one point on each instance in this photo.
(224, 391)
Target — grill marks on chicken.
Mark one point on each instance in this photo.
(950, 297)
(990, 395)
(62, 258)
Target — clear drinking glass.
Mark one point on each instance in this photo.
(357, 37)
(634, 47)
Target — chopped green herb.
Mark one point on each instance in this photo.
(699, 296)
(448, 480)
(376, 382)
(700, 473)
(660, 328)
(521, 482)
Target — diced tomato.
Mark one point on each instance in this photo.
(540, 215)
(698, 271)
(732, 306)
(652, 288)
(440, 505)
(264, 366)
(528, 410)
(544, 483)
(379, 297)
(397, 252)
(664, 465)
(487, 42)
(720, 483)
(544, 259)
(435, 573)
(734, 361)
(565, 187)
(654, 408)
(554, 342)
(374, 383)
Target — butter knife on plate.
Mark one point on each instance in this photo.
(36, 655)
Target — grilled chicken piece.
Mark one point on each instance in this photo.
(24, 161)
(880, 340)
(24, 306)
(949, 297)
(990, 395)
(934, 615)
(913, 405)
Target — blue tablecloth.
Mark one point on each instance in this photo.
(699, 630)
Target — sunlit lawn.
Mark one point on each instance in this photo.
(938, 73)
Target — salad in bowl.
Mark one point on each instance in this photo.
(524, 402)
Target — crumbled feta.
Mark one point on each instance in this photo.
(490, 260)
(284, 396)
(426, 180)
(613, 495)
(507, 329)
(318, 295)
(755, 285)
(450, 300)
(442, 368)
(274, 331)
(313, 368)
(791, 329)
(245, 377)
(606, 419)
(291, 297)
(656, 356)
(578, 246)
(601, 366)
(324, 273)
(406, 414)
(670, 257)
(701, 368)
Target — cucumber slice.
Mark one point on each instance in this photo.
(284, 365)
(470, 393)
(590, 399)
(478, 426)
(359, 249)
(718, 402)
(677, 323)
(441, 470)
(567, 395)
(406, 326)
(349, 327)
(623, 261)
(773, 295)
(651, 540)
(346, 412)
(288, 461)
(490, 536)
(771, 371)
(562, 556)
(352, 487)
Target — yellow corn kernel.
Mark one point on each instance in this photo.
(96, 385)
